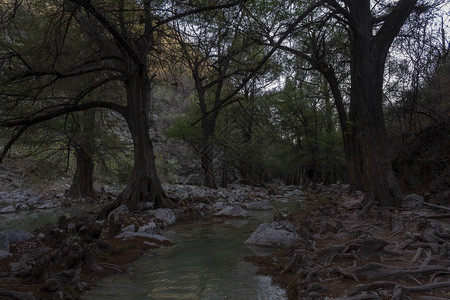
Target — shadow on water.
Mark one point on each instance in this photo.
(206, 263)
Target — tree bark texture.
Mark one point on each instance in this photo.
(369, 53)
(83, 179)
(350, 132)
(144, 184)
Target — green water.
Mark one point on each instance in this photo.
(206, 263)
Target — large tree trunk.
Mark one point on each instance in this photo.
(144, 185)
(367, 71)
(354, 160)
(350, 132)
(83, 179)
(84, 146)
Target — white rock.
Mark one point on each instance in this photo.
(47, 205)
(273, 234)
(129, 228)
(412, 201)
(122, 209)
(127, 234)
(150, 228)
(17, 235)
(4, 243)
(218, 206)
(34, 200)
(232, 211)
(8, 209)
(150, 244)
(165, 215)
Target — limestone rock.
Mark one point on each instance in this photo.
(34, 200)
(4, 243)
(273, 234)
(17, 235)
(127, 234)
(150, 228)
(165, 215)
(130, 228)
(260, 205)
(48, 206)
(8, 209)
(232, 211)
(412, 201)
(4, 254)
(218, 206)
(122, 209)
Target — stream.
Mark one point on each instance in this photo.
(29, 220)
(206, 263)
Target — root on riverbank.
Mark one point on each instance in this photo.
(389, 253)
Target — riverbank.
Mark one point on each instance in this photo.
(344, 249)
(347, 250)
(61, 261)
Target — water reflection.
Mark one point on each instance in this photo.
(206, 263)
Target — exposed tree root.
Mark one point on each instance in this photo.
(341, 250)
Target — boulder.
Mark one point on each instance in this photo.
(150, 228)
(233, 212)
(218, 206)
(4, 243)
(260, 205)
(4, 254)
(122, 209)
(165, 215)
(273, 234)
(155, 237)
(412, 201)
(17, 235)
(47, 205)
(34, 200)
(8, 209)
(130, 228)
(295, 192)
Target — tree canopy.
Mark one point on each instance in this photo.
(274, 83)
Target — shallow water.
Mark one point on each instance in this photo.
(206, 263)
(31, 219)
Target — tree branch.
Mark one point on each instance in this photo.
(12, 140)
(28, 121)
(228, 100)
(122, 41)
(392, 25)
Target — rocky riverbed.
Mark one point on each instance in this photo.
(337, 247)
(349, 250)
(61, 261)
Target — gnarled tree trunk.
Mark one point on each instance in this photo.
(369, 53)
(83, 179)
(144, 184)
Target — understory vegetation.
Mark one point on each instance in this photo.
(132, 93)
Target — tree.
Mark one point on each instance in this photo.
(222, 62)
(119, 38)
(372, 31)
